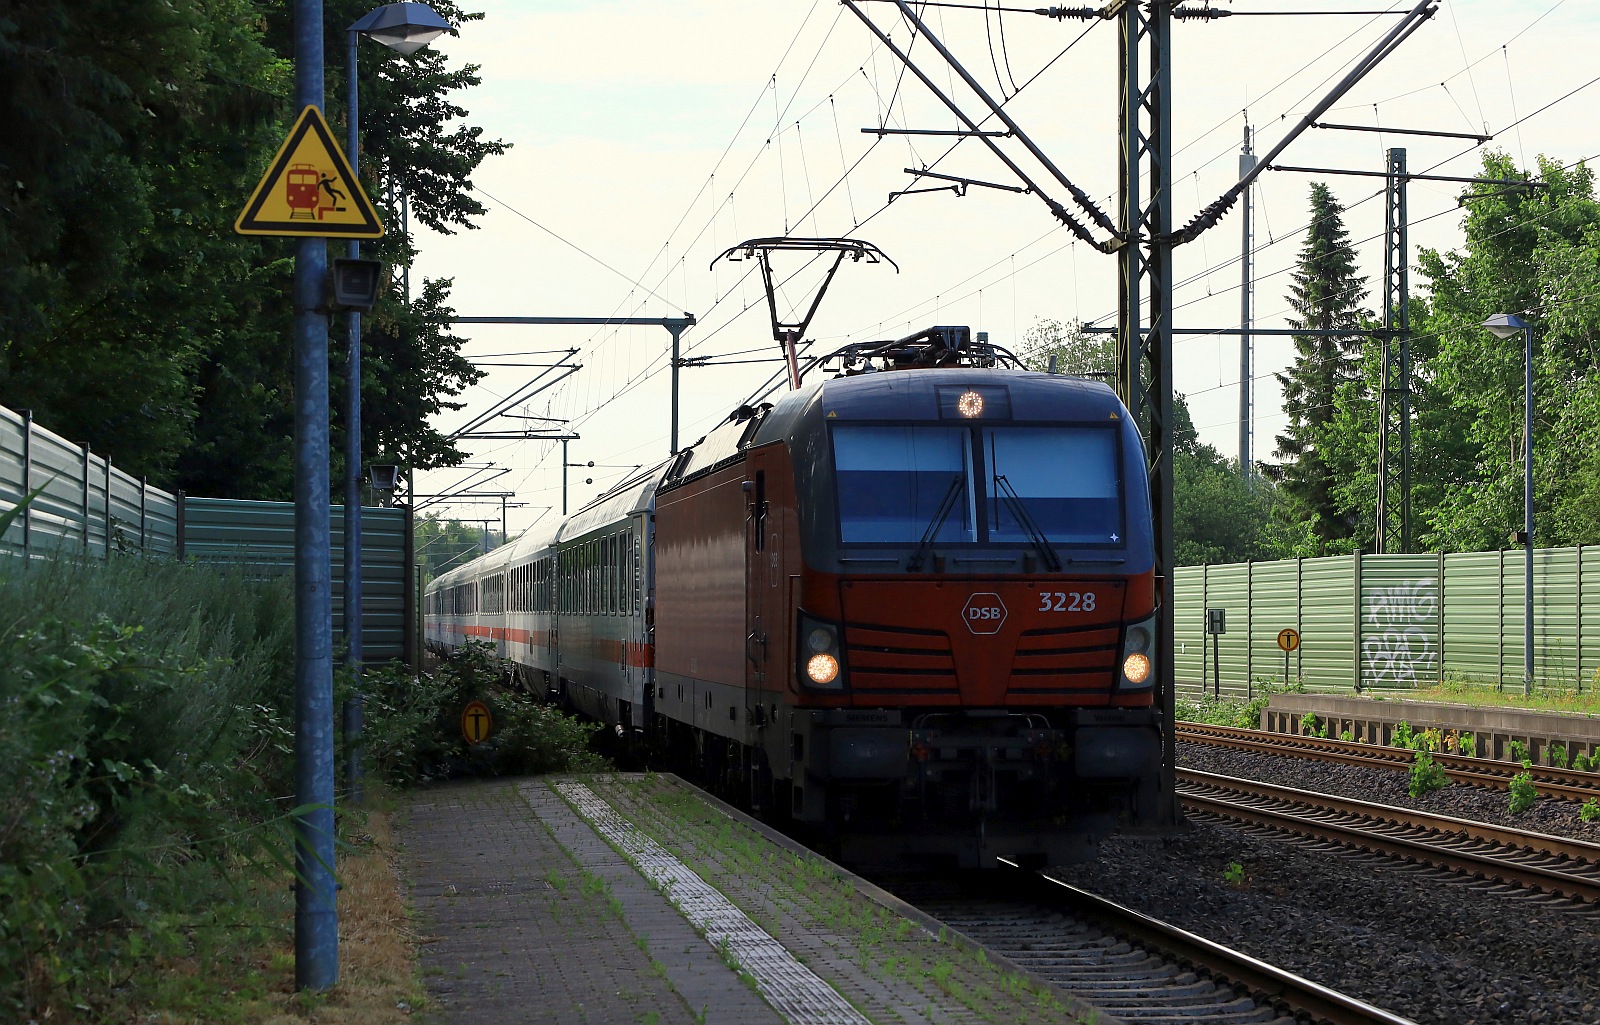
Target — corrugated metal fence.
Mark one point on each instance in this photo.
(89, 507)
(260, 536)
(86, 503)
(1391, 621)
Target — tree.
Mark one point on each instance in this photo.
(1076, 351)
(131, 315)
(1532, 251)
(442, 545)
(1326, 295)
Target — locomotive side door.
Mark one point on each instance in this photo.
(766, 618)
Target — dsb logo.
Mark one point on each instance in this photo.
(984, 613)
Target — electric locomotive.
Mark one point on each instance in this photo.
(912, 605)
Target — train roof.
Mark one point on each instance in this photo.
(635, 495)
(915, 395)
(892, 395)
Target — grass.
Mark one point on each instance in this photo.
(253, 984)
(1553, 698)
(778, 889)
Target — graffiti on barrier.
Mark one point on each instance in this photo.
(1397, 638)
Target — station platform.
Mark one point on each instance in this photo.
(637, 899)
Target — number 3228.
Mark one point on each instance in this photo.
(1066, 601)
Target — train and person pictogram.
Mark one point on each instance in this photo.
(911, 606)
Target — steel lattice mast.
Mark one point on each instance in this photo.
(1144, 299)
(1393, 533)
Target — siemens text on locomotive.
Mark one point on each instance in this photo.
(914, 608)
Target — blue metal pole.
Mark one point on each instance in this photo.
(316, 921)
(352, 469)
(1527, 510)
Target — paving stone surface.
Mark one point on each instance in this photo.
(515, 930)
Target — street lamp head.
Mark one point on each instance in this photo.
(404, 27)
(384, 477)
(1506, 325)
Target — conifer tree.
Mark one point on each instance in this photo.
(1326, 295)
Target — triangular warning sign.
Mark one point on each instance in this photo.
(309, 189)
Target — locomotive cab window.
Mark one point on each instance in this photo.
(1063, 479)
(901, 484)
(895, 482)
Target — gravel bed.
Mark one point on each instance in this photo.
(1411, 940)
(1388, 786)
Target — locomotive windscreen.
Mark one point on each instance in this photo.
(894, 482)
(899, 484)
(1064, 478)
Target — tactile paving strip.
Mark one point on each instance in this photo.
(790, 987)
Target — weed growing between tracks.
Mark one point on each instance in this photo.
(802, 900)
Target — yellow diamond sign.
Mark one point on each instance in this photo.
(309, 189)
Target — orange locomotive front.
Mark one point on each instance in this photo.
(915, 608)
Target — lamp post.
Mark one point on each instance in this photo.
(404, 28)
(1506, 325)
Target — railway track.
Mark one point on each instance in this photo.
(1569, 784)
(1133, 967)
(1535, 861)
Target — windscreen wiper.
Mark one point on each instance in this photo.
(1020, 511)
(948, 503)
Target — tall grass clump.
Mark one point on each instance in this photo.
(144, 724)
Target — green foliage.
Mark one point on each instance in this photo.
(1556, 755)
(1346, 736)
(142, 733)
(1326, 295)
(131, 315)
(1244, 715)
(1402, 735)
(1468, 745)
(1523, 793)
(445, 544)
(1584, 763)
(1309, 726)
(413, 725)
(1519, 751)
(1426, 776)
(1590, 811)
(1233, 875)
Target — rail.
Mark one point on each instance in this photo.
(1266, 983)
(1568, 784)
(1537, 861)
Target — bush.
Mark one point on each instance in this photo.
(140, 734)
(413, 724)
(1245, 715)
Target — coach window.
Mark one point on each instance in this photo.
(614, 574)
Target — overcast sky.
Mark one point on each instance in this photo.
(652, 136)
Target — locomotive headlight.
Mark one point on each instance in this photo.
(822, 668)
(970, 404)
(819, 663)
(1138, 656)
